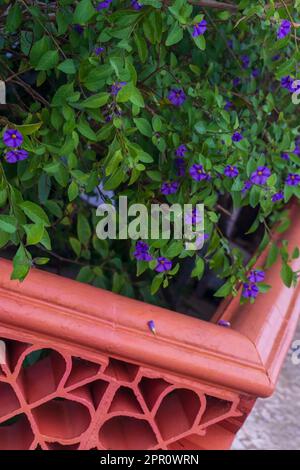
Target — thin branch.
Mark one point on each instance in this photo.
(214, 4)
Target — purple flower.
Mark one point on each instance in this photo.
(151, 326)
(116, 87)
(255, 72)
(99, 50)
(225, 323)
(250, 291)
(141, 252)
(180, 166)
(141, 256)
(245, 61)
(260, 175)
(103, 5)
(277, 196)
(297, 151)
(292, 179)
(163, 264)
(228, 105)
(247, 186)
(14, 156)
(136, 5)
(12, 138)
(230, 43)
(284, 29)
(236, 137)
(177, 96)
(285, 156)
(256, 276)
(231, 171)
(236, 81)
(199, 28)
(169, 188)
(181, 150)
(78, 28)
(287, 82)
(198, 173)
(297, 147)
(276, 57)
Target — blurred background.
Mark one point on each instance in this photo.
(274, 423)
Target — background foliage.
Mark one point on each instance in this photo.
(62, 61)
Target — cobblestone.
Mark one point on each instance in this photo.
(274, 423)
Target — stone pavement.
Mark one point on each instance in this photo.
(275, 422)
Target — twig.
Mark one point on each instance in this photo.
(61, 258)
(214, 4)
(222, 209)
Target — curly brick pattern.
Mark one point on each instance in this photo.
(65, 402)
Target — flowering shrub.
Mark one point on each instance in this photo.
(161, 101)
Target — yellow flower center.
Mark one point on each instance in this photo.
(259, 173)
(14, 136)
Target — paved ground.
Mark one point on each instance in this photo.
(275, 422)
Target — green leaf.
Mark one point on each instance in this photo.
(272, 255)
(115, 179)
(198, 269)
(175, 35)
(26, 41)
(296, 253)
(45, 241)
(86, 130)
(83, 229)
(34, 233)
(224, 290)
(48, 60)
(4, 238)
(35, 213)
(8, 223)
(41, 261)
(200, 42)
(156, 283)
(73, 191)
(174, 249)
(287, 274)
(141, 47)
(136, 98)
(153, 27)
(76, 245)
(85, 275)
(95, 101)
(38, 49)
(125, 93)
(21, 263)
(84, 12)
(63, 21)
(154, 175)
(14, 18)
(143, 126)
(28, 129)
(67, 66)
